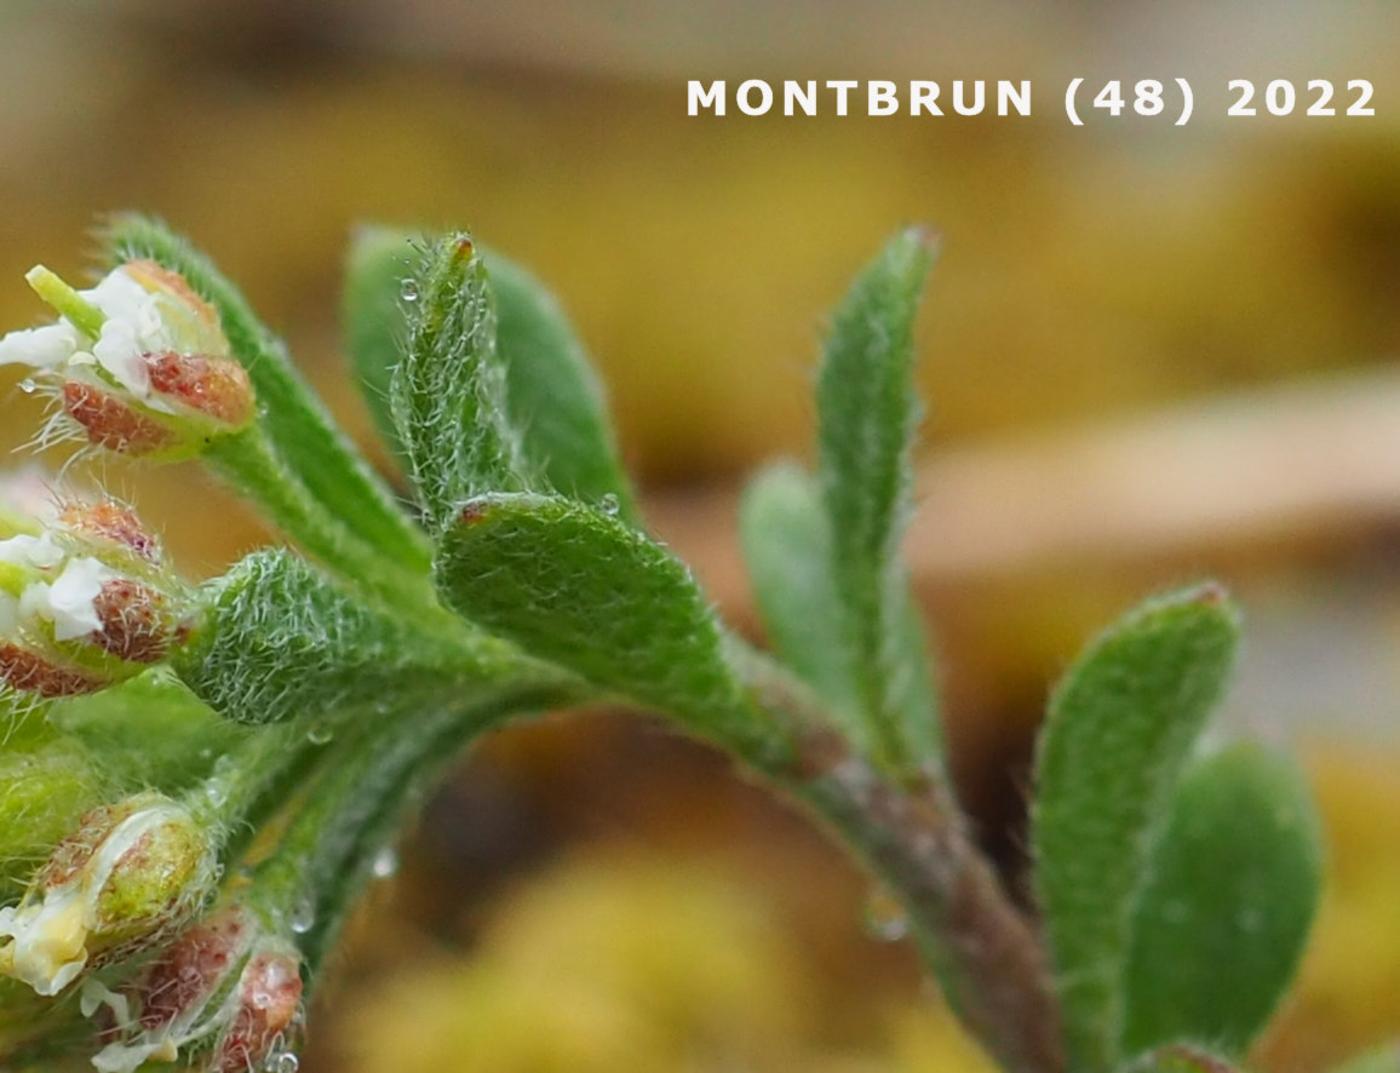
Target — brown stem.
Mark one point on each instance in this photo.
(914, 840)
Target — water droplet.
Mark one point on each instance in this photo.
(610, 504)
(386, 863)
(287, 1062)
(215, 792)
(408, 290)
(885, 918)
(28, 386)
(303, 917)
(320, 734)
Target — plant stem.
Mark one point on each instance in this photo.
(249, 462)
(914, 840)
(359, 802)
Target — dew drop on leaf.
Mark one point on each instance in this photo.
(28, 386)
(303, 917)
(885, 918)
(385, 863)
(408, 290)
(320, 734)
(609, 504)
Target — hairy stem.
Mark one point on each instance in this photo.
(249, 462)
(913, 838)
(362, 799)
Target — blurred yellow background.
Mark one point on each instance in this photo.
(592, 893)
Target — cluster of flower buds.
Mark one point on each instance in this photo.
(139, 363)
(84, 598)
(127, 876)
(225, 997)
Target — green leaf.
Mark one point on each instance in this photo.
(278, 640)
(554, 396)
(1235, 883)
(312, 447)
(372, 313)
(1120, 727)
(867, 416)
(449, 391)
(586, 591)
(787, 544)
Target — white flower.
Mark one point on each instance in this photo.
(40, 552)
(135, 324)
(40, 348)
(69, 602)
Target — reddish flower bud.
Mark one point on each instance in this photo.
(137, 624)
(113, 524)
(224, 997)
(269, 995)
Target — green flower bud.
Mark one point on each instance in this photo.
(139, 364)
(128, 875)
(45, 788)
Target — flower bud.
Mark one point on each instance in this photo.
(227, 989)
(129, 874)
(139, 363)
(83, 601)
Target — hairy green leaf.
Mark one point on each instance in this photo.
(787, 545)
(449, 391)
(373, 318)
(582, 589)
(1120, 727)
(309, 443)
(868, 412)
(1234, 885)
(278, 640)
(554, 396)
